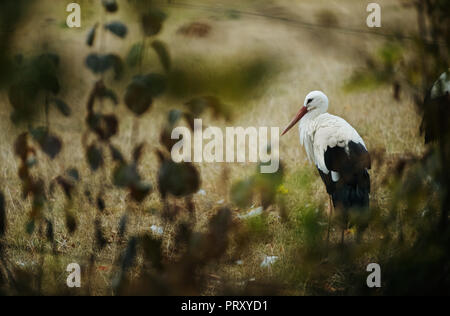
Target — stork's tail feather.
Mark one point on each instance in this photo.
(354, 194)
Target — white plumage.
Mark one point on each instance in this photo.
(323, 131)
(319, 130)
(441, 86)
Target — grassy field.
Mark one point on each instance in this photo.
(298, 58)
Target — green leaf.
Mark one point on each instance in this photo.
(152, 22)
(98, 63)
(94, 157)
(156, 83)
(91, 35)
(101, 63)
(50, 144)
(110, 5)
(71, 223)
(30, 227)
(116, 154)
(163, 54)
(73, 174)
(125, 175)
(174, 116)
(138, 97)
(104, 125)
(109, 94)
(178, 179)
(140, 190)
(117, 28)
(242, 193)
(135, 54)
(141, 91)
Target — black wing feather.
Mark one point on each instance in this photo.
(353, 187)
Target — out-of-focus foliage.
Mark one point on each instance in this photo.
(263, 186)
(416, 232)
(11, 13)
(32, 82)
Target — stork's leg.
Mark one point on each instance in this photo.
(330, 211)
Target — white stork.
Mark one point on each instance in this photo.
(338, 152)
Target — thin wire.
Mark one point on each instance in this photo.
(295, 22)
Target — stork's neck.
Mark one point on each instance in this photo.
(310, 117)
(306, 130)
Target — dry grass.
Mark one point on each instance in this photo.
(308, 59)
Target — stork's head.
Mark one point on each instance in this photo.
(316, 102)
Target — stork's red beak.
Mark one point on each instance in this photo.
(297, 118)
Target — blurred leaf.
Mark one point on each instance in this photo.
(163, 53)
(71, 223)
(73, 174)
(242, 193)
(267, 185)
(174, 116)
(30, 227)
(100, 239)
(258, 228)
(104, 125)
(165, 136)
(123, 225)
(135, 54)
(129, 256)
(110, 94)
(101, 206)
(97, 63)
(21, 148)
(117, 66)
(110, 5)
(199, 104)
(94, 157)
(152, 22)
(178, 179)
(116, 154)
(137, 97)
(141, 91)
(46, 65)
(50, 144)
(126, 175)
(91, 35)
(101, 63)
(37, 76)
(117, 28)
(137, 152)
(49, 232)
(66, 186)
(140, 190)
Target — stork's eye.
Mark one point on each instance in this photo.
(309, 101)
